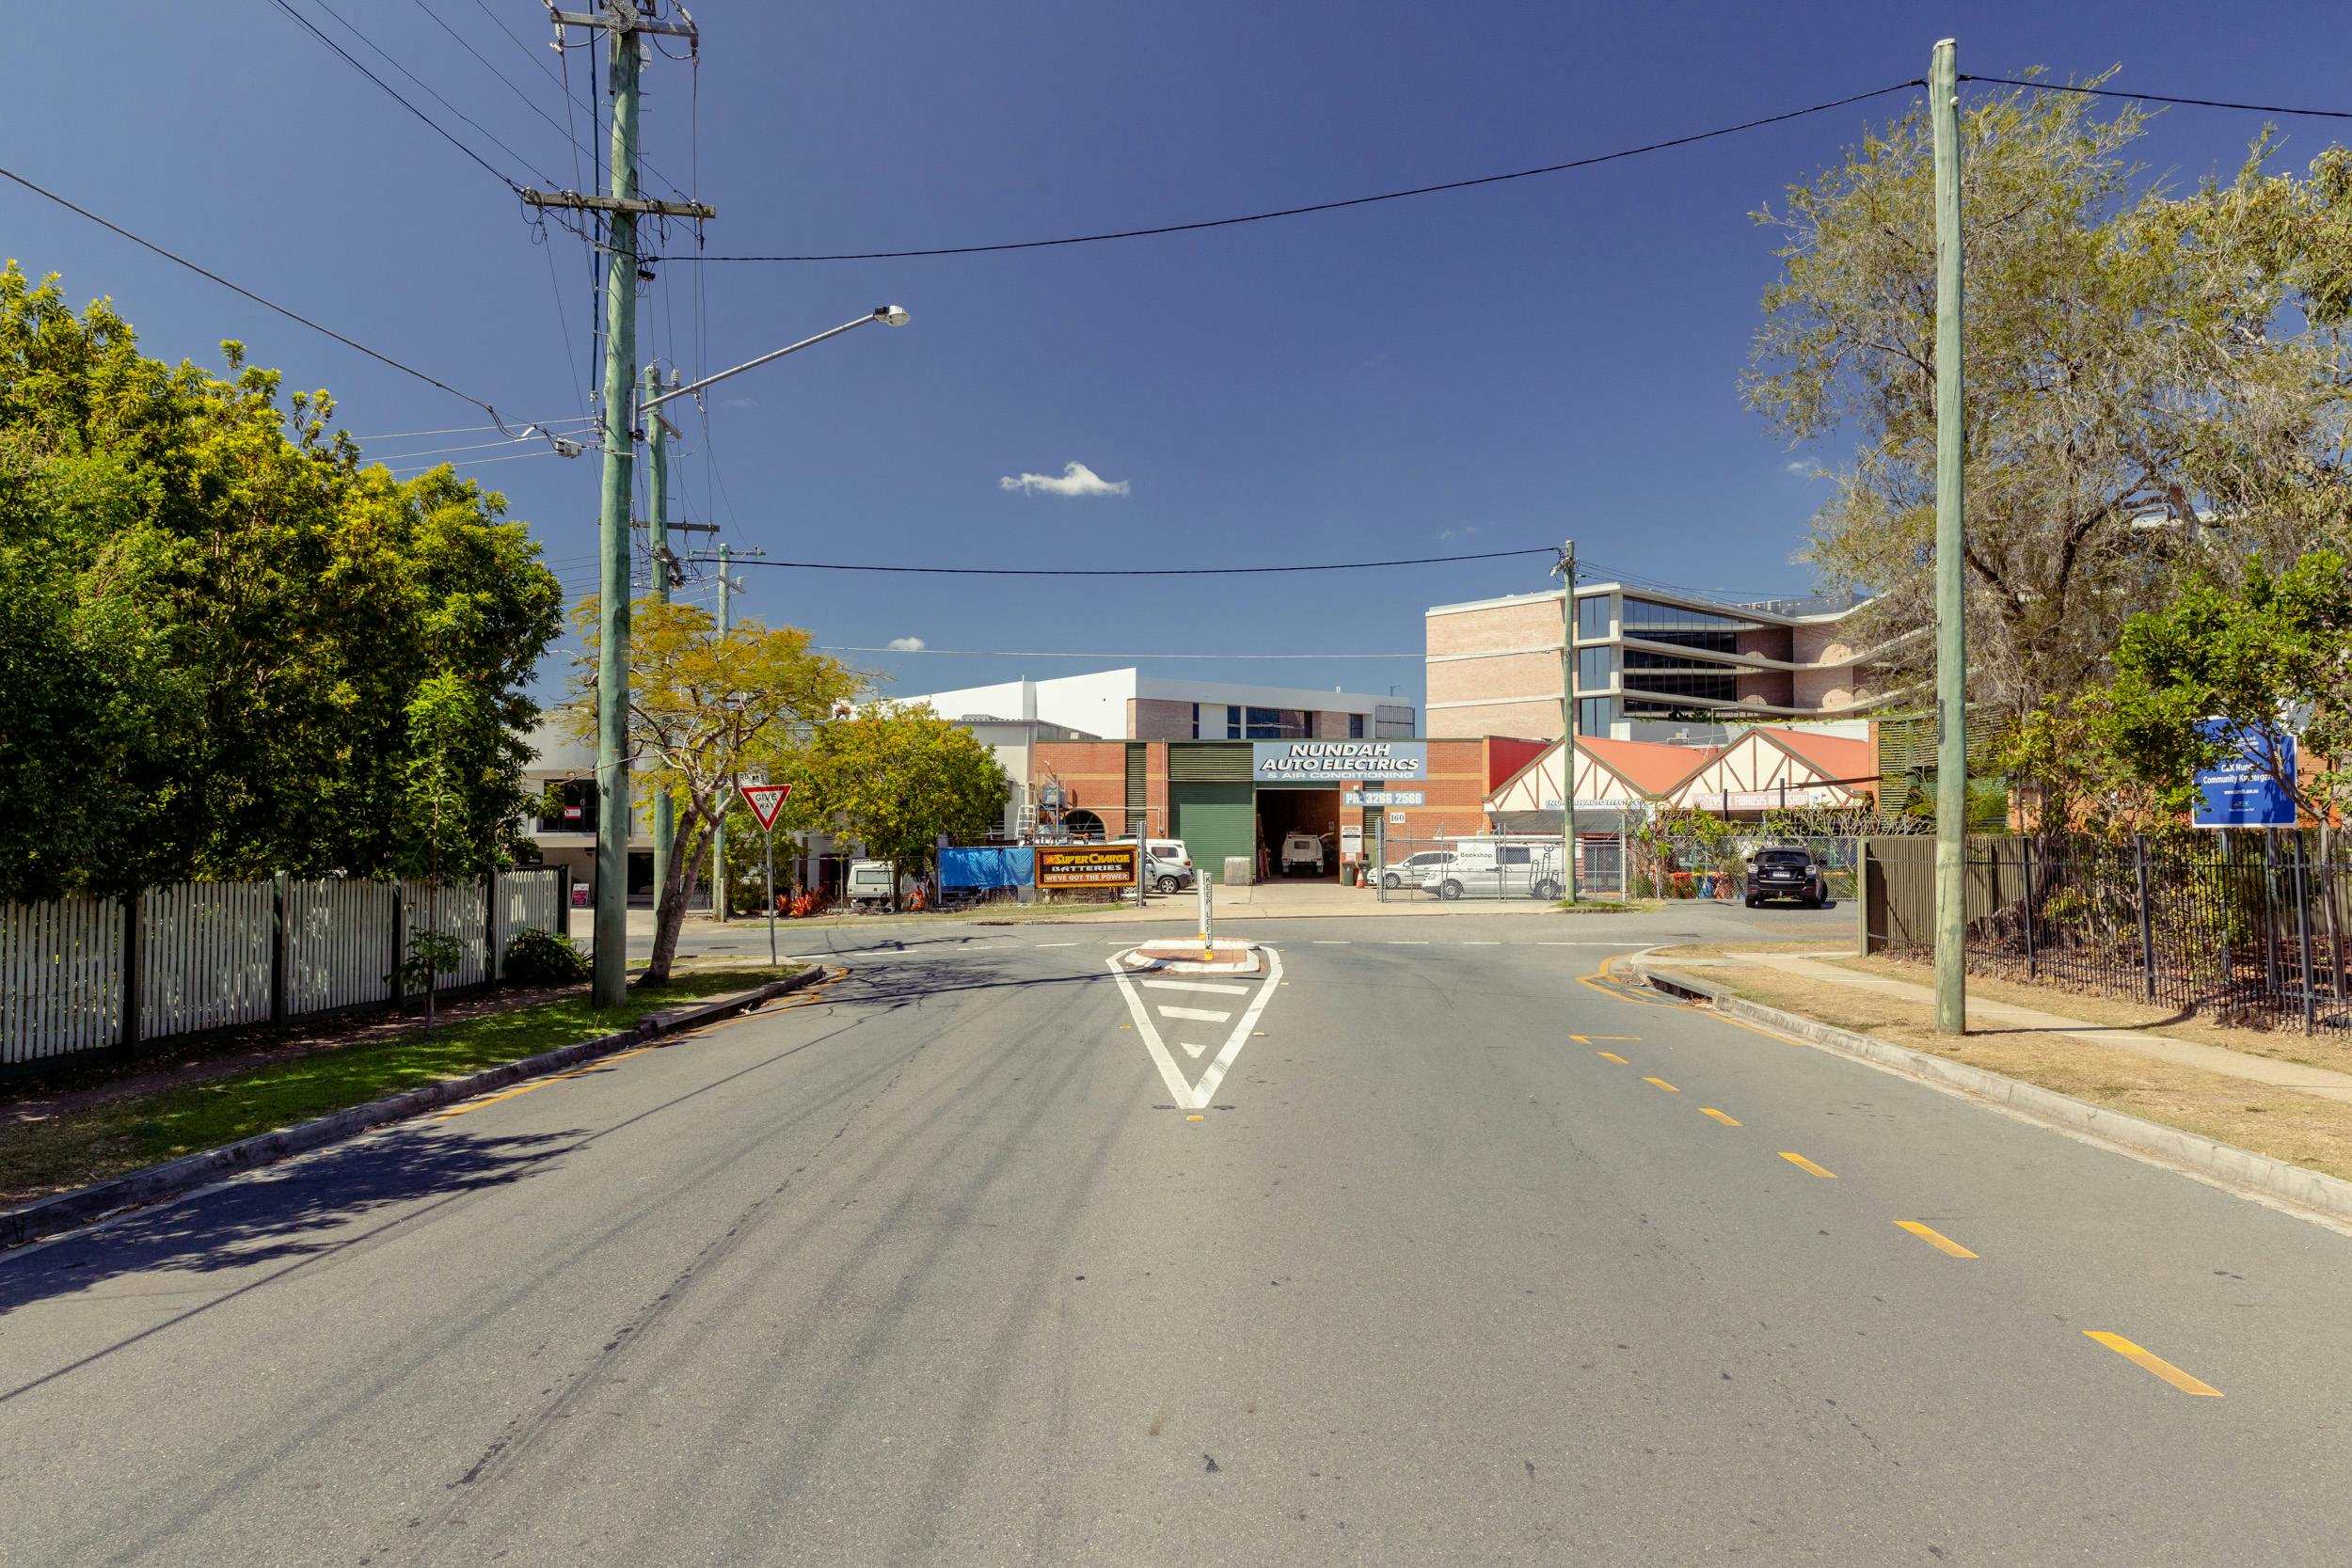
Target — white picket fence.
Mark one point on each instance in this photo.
(214, 956)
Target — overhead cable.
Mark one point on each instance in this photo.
(376, 355)
(438, 129)
(2159, 98)
(1326, 206)
(1133, 571)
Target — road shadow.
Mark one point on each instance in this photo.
(294, 1213)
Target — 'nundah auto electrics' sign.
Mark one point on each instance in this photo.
(1338, 761)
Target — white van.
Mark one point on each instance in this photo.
(870, 881)
(1493, 868)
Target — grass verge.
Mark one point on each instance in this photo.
(73, 1149)
(2301, 1128)
(1611, 906)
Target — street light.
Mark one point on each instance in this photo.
(611, 976)
(889, 315)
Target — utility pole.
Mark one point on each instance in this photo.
(623, 23)
(718, 829)
(1951, 640)
(657, 553)
(1568, 722)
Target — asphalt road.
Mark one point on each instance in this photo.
(936, 1266)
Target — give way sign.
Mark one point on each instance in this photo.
(765, 801)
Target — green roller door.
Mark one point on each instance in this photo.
(1214, 821)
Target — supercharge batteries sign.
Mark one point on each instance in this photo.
(1338, 761)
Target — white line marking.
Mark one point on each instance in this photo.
(1057, 945)
(1188, 1097)
(1588, 944)
(1197, 985)
(1191, 1050)
(1325, 942)
(1199, 1015)
(1400, 942)
(1481, 945)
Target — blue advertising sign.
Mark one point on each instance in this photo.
(2250, 785)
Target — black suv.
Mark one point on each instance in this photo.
(1785, 874)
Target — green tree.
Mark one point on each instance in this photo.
(705, 709)
(895, 777)
(214, 618)
(2155, 385)
(2251, 658)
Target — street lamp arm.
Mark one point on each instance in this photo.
(888, 315)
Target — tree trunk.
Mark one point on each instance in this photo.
(670, 914)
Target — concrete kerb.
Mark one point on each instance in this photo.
(1176, 958)
(46, 1216)
(2225, 1165)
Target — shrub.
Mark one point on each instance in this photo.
(544, 959)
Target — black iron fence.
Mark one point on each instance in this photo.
(2248, 926)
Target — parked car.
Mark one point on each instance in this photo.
(1172, 864)
(870, 881)
(1785, 874)
(1302, 852)
(1487, 868)
(1414, 869)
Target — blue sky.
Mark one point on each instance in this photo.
(1482, 369)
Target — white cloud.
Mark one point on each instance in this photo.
(1076, 479)
(1460, 532)
(1799, 465)
(906, 644)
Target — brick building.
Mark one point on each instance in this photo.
(1220, 799)
(1127, 705)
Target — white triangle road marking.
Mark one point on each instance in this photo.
(1187, 1096)
(1191, 1050)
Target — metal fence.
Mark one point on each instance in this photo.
(80, 976)
(2252, 928)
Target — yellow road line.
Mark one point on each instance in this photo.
(1587, 1039)
(1806, 1165)
(540, 1083)
(1710, 1111)
(1610, 1056)
(2149, 1361)
(1935, 1239)
(1663, 1084)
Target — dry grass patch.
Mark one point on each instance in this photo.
(2300, 1128)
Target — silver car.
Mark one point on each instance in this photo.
(1414, 869)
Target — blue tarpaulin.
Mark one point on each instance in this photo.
(988, 868)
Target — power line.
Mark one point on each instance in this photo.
(1003, 653)
(461, 429)
(1134, 571)
(267, 304)
(438, 129)
(2159, 98)
(1331, 206)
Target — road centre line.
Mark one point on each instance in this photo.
(1199, 985)
(1804, 1165)
(1935, 1238)
(1057, 945)
(1727, 1120)
(1613, 1056)
(1663, 1084)
(2148, 1361)
(1400, 941)
(1202, 1015)
(1326, 942)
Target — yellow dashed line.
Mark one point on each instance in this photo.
(1806, 1165)
(2149, 1361)
(1935, 1239)
(1663, 1084)
(1610, 1056)
(1710, 1111)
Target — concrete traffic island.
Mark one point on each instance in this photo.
(1189, 956)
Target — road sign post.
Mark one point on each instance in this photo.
(765, 801)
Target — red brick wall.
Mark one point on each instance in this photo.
(1456, 791)
(1154, 718)
(1096, 772)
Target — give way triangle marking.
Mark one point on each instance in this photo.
(1196, 1097)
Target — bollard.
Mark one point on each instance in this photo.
(1207, 908)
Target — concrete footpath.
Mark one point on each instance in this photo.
(2267, 1070)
